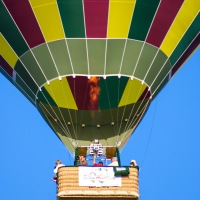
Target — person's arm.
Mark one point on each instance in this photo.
(94, 159)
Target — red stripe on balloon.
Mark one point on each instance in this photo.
(25, 19)
(96, 18)
(166, 13)
(145, 95)
(5, 66)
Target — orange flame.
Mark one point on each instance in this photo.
(94, 91)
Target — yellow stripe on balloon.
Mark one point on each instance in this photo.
(61, 93)
(184, 18)
(48, 17)
(120, 15)
(7, 52)
(132, 92)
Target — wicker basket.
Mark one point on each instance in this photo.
(68, 187)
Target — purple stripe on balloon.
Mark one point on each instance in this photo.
(96, 18)
(166, 13)
(25, 19)
(80, 89)
(5, 66)
(145, 95)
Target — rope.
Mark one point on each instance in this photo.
(150, 134)
(109, 108)
(135, 67)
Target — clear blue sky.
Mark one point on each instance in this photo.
(166, 144)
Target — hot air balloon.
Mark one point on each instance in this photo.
(92, 67)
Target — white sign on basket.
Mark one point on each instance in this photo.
(98, 177)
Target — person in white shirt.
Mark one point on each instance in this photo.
(58, 165)
(114, 162)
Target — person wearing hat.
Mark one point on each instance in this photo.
(134, 164)
(100, 164)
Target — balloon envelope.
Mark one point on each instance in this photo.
(92, 68)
